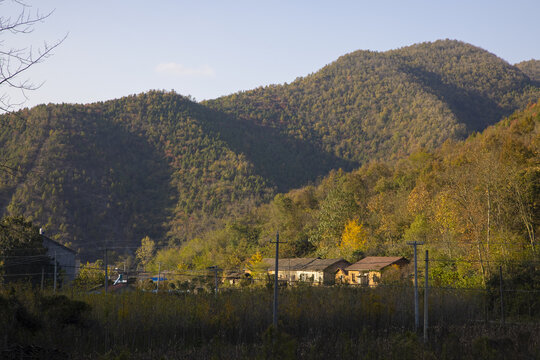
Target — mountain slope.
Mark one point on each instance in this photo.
(474, 203)
(155, 164)
(111, 173)
(159, 164)
(368, 105)
(531, 68)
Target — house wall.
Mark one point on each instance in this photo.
(374, 278)
(362, 277)
(67, 260)
(367, 278)
(342, 277)
(330, 272)
(315, 277)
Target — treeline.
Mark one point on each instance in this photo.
(474, 203)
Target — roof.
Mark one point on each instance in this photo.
(55, 243)
(233, 273)
(288, 263)
(322, 264)
(375, 262)
(301, 264)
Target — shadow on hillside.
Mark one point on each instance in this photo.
(285, 162)
(119, 190)
(476, 110)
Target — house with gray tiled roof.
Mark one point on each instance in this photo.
(369, 270)
(316, 271)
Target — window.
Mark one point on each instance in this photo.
(363, 279)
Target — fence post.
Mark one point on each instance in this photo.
(55, 274)
(106, 272)
(426, 301)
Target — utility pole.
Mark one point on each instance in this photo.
(54, 284)
(416, 311)
(158, 276)
(426, 300)
(276, 270)
(106, 272)
(502, 299)
(215, 269)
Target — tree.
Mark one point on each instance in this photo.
(146, 251)
(90, 275)
(14, 59)
(336, 210)
(353, 239)
(22, 255)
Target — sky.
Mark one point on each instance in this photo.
(208, 49)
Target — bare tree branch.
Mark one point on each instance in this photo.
(17, 60)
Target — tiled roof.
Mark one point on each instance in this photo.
(375, 262)
(301, 264)
(322, 264)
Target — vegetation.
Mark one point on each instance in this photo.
(315, 323)
(531, 68)
(474, 204)
(358, 159)
(161, 166)
(22, 255)
(371, 106)
(115, 172)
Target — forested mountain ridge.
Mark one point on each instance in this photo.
(155, 164)
(531, 68)
(110, 173)
(162, 165)
(378, 105)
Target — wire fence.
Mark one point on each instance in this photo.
(223, 277)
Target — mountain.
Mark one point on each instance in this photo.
(531, 68)
(108, 174)
(370, 105)
(159, 164)
(155, 164)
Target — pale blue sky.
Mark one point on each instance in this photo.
(211, 48)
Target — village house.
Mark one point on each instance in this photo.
(66, 258)
(236, 277)
(370, 270)
(311, 270)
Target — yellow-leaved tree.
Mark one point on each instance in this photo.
(146, 251)
(353, 240)
(257, 266)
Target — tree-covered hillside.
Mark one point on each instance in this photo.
(161, 165)
(155, 164)
(372, 105)
(111, 173)
(531, 68)
(474, 203)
